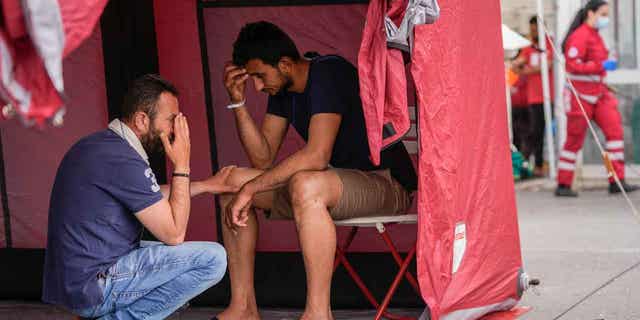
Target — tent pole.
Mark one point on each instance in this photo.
(509, 116)
(565, 10)
(544, 66)
(5, 201)
(208, 103)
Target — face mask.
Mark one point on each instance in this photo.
(602, 22)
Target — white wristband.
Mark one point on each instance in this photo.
(237, 105)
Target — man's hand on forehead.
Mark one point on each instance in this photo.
(234, 79)
(234, 71)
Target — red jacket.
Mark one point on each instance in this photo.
(532, 55)
(383, 82)
(584, 53)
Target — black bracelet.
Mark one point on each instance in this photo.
(179, 174)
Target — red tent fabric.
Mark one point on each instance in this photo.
(383, 83)
(35, 37)
(469, 259)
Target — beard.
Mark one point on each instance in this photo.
(151, 141)
(287, 82)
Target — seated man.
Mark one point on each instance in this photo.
(103, 195)
(331, 177)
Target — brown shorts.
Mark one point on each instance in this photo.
(364, 194)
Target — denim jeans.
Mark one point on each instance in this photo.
(154, 280)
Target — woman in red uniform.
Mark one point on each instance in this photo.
(587, 63)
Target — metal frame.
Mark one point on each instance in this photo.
(208, 102)
(546, 92)
(8, 240)
(381, 308)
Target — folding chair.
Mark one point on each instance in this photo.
(381, 223)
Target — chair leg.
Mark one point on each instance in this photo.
(396, 256)
(365, 291)
(403, 269)
(345, 246)
(356, 278)
(341, 259)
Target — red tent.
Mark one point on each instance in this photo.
(466, 191)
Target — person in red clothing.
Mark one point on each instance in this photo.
(587, 63)
(528, 63)
(520, 115)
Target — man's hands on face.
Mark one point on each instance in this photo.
(178, 151)
(235, 79)
(237, 211)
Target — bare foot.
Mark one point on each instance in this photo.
(237, 314)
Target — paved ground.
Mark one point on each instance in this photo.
(24, 311)
(572, 245)
(576, 245)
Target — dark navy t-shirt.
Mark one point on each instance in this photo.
(101, 182)
(333, 87)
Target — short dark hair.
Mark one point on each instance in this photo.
(143, 94)
(265, 41)
(533, 20)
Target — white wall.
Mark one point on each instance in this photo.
(516, 14)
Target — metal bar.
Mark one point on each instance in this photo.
(5, 200)
(345, 246)
(208, 101)
(340, 257)
(352, 235)
(546, 92)
(396, 256)
(509, 112)
(396, 282)
(354, 275)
